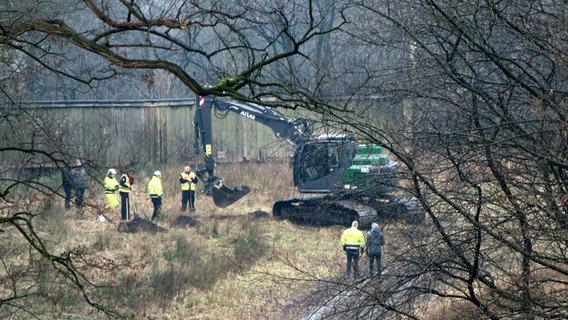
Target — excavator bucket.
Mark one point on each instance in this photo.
(224, 196)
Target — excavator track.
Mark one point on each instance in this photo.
(324, 212)
(330, 210)
(391, 207)
(414, 213)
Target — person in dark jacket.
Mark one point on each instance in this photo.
(374, 243)
(67, 184)
(80, 183)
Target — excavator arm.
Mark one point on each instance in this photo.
(293, 131)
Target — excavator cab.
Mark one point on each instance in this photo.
(320, 165)
(338, 164)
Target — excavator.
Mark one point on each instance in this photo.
(347, 180)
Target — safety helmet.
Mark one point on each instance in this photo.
(157, 173)
(78, 163)
(187, 168)
(111, 172)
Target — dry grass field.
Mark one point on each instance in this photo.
(236, 263)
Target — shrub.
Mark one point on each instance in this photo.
(249, 245)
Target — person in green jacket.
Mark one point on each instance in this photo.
(353, 242)
(155, 191)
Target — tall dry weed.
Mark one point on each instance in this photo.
(161, 274)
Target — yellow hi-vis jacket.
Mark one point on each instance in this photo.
(188, 177)
(352, 239)
(110, 184)
(155, 187)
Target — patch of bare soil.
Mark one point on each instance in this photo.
(184, 221)
(140, 225)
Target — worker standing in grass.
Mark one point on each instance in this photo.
(125, 185)
(111, 184)
(80, 183)
(353, 241)
(67, 184)
(373, 244)
(155, 191)
(188, 179)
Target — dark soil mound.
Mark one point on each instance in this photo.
(139, 225)
(184, 221)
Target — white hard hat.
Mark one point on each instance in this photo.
(78, 163)
(157, 173)
(111, 172)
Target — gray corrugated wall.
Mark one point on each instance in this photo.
(120, 136)
(156, 132)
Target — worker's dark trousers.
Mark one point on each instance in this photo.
(375, 257)
(352, 260)
(80, 197)
(157, 202)
(187, 196)
(125, 208)
(68, 192)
